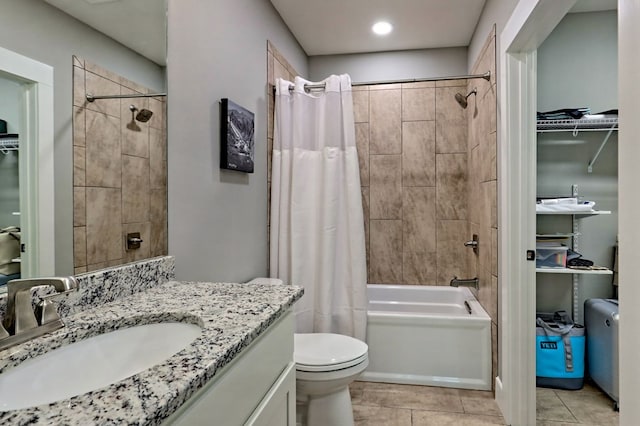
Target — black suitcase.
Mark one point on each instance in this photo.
(601, 320)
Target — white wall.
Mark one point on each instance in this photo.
(395, 65)
(577, 64)
(495, 12)
(34, 29)
(217, 218)
(578, 67)
(10, 93)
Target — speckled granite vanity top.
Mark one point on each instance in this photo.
(231, 316)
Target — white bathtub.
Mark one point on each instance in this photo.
(424, 335)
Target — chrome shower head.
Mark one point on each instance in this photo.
(143, 115)
(462, 99)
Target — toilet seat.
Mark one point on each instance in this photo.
(323, 352)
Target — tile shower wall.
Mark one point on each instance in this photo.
(119, 171)
(481, 156)
(277, 67)
(412, 148)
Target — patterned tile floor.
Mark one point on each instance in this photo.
(382, 404)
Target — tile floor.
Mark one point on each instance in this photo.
(382, 404)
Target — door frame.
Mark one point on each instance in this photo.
(36, 173)
(529, 25)
(628, 207)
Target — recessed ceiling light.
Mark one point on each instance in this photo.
(382, 28)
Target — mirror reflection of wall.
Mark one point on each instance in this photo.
(10, 119)
(120, 170)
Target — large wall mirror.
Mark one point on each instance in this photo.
(108, 48)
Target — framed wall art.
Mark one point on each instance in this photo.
(236, 137)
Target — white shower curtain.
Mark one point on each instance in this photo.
(317, 227)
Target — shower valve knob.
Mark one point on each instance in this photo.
(473, 243)
(133, 241)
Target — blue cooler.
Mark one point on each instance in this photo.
(559, 352)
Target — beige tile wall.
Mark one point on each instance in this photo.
(119, 171)
(482, 197)
(277, 67)
(412, 144)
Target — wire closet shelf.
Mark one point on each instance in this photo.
(8, 145)
(583, 124)
(607, 124)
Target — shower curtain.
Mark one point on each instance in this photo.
(317, 228)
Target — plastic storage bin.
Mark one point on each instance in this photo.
(551, 257)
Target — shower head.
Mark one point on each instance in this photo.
(143, 115)
(462, 99)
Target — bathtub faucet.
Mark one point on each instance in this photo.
(469, 282)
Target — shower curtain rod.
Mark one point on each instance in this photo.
(92, 98)
(486, 76)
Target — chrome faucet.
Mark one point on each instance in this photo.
(469, 282)
(21, 322)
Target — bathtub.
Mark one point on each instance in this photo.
(428, 335)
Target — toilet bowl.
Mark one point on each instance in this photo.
(326, 364)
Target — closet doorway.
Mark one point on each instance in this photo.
(577, 162)
(26, 144)
(529, 26)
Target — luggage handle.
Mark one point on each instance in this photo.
(561, 330)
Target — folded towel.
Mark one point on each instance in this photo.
(571, 200)
(563, 114)
(586, 206)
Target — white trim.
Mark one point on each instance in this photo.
(35, 162)
(628, 204)
(517, 235)
(529, 25)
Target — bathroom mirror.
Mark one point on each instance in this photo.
(126, 38)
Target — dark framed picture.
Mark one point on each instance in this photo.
(236, 137)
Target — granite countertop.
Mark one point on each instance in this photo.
(231, 317)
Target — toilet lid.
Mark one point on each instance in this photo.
(327, 351)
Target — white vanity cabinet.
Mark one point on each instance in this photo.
(256, 388)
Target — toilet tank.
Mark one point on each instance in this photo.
(266, 281)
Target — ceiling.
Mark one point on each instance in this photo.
(138, 24)
(321, 27)
(337, 26)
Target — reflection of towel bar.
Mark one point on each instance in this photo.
(469, 282)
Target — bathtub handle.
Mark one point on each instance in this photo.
(468, 306)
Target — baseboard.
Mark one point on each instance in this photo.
(424, 380)
(501, 400)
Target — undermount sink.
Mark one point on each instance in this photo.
(92, 364)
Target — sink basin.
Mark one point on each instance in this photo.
(92, 364)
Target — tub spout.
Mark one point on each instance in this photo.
(469, 282)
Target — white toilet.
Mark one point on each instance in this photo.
(326, 364)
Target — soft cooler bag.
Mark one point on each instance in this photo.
(559, 352)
